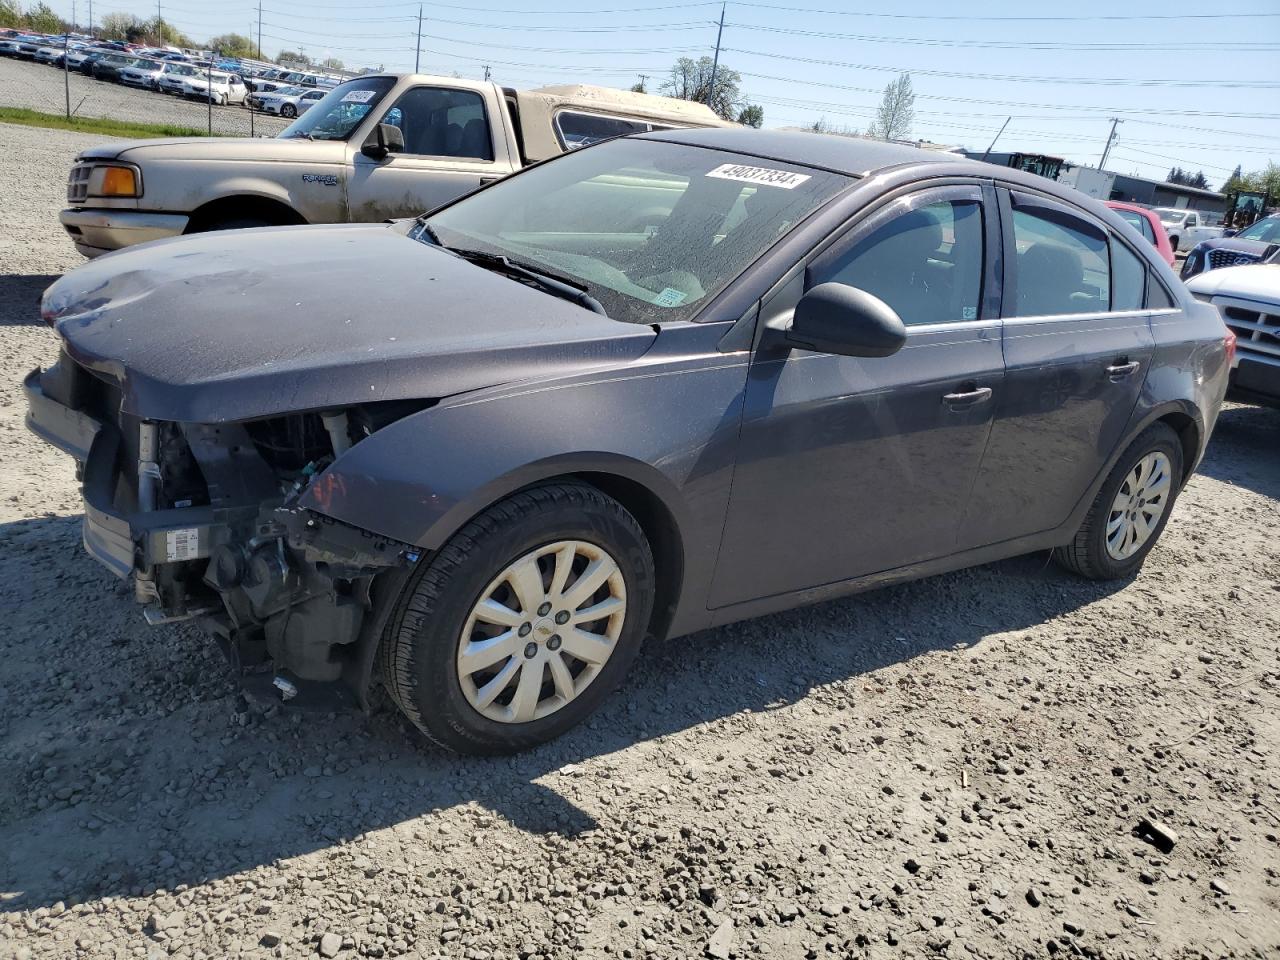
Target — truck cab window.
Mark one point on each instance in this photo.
(439, 122)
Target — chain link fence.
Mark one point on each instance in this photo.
(35, 86)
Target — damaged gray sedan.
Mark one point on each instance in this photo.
(649, 387)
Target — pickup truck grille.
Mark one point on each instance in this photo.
(78, 183)
(1256, 326)
(1228, 258)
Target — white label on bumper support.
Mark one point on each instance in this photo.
(182, 544)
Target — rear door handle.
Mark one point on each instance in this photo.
(967, 398)
(1122, 369)
(485, 180)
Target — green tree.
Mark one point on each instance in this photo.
(331, 63)
(118, 26)
(691, 80)
(897, 111)
(291, 56)
(42, 19)
(752, 115)
(10, 14)
(639, 87)
(232, 45)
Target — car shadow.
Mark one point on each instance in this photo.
(20, 298)
(135, 765)
(1249, 436)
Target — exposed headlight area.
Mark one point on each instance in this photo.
(110, 180)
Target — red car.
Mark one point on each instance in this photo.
(1147, 223)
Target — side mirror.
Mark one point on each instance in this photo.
(386, 138)
(1230, 232)
(837, 318)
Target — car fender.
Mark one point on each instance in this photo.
(667, 426)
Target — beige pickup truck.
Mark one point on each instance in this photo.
(376, 148)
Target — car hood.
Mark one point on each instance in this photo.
(203, 149)
(241, 324)
(1257, 247)
(1255, 281)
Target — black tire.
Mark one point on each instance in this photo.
(1087, 554)
(1173, 244)
(288, 111)
(421, 641)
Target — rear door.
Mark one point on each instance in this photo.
(454, 140)
(1077, 347)
(848, 466)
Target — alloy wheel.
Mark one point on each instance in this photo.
(541, 631)
(1138, 505)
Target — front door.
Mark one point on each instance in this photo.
(449, 150)
(849, 466)
(1077, 345)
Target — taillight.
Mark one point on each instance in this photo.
(1229, 341)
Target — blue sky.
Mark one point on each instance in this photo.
(1197, 85)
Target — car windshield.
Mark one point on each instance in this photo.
(652, 230)
(1171, 216)
(183, 70)
(340, 112)
(1135, 219)
(146, 64)
(1267, 230)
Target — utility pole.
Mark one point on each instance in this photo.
(91, 18)
(159, 23)
(643, 86)
(1111, 138)
(259, 29)
(66, 67)
(987, 152)
(486, 72)
(417, 50)
(715, 63)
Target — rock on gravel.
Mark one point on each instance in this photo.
(765, 782)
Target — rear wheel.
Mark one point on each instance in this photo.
(523, 622)
(1131, 509)
(289, 111)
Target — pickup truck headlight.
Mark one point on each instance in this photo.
(114, 181)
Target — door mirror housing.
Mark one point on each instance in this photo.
(838, 318)
(1230, 232)
(385, 139)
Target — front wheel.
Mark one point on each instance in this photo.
(1131, 509)
(521, 625)
(289, 111)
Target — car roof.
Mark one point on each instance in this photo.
(855, 156)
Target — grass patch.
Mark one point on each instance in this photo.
(109, 128)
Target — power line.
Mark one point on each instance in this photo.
(1109, 47)
(1013, 78)
(1005, 18)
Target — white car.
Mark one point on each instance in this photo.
(1248, 297)
(51, 54)
(76, 57)
(291, 101)
(143, 73)
(223, 88)
(174, 80)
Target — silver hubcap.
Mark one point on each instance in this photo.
(1138, 506)
(542, 630)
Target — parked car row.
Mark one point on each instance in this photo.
(169, 70)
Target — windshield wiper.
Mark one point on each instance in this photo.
(300, 134)
(552, 283)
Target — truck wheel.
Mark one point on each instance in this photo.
(1130, 511)
(1173, 244)
(521, 625)
(289, 110)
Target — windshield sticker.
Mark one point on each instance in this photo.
(358, 96)
(669, 297)
(761, 175)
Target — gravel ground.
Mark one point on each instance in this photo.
(40, 87)
(949, 768)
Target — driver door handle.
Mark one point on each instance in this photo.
(967, 398)
(1122, 368)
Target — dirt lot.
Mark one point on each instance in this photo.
(40, 87)
(949, 768)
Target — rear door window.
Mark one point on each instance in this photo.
(1128, 278)
(1060, 264)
